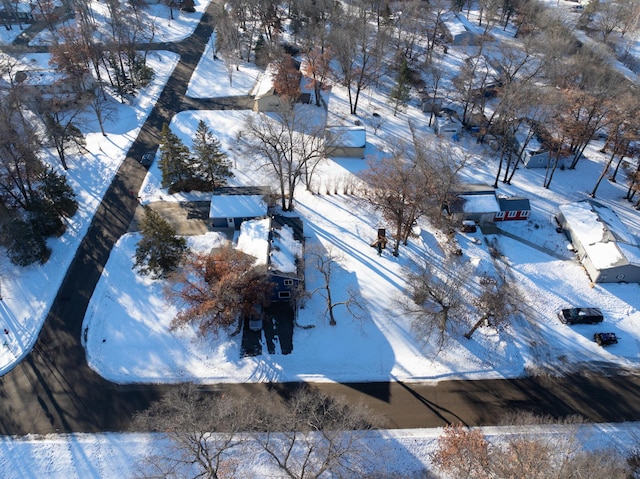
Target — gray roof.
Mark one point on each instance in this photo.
(514, 204)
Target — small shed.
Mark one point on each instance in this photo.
(345, 141)
(608, 251)
(474, 202)
(447, 125)
(513, 208)
(458, 30)
(229, 211)
(530, 148)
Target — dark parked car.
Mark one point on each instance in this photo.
(147, 158)
(469, 226)
(605, 339)
(581, 316)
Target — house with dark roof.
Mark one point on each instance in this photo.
(277, 242)
(606, 248)
(513, 208)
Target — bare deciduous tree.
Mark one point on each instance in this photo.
(327, 263)
(436, 290)
(291, 144)
(313, 435)
(202, 429)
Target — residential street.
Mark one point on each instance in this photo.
(53, 389)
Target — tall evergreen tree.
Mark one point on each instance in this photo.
(175, 158)
(210, 162)
(159, 250)
(400, 92)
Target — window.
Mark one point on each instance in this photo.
(512, 214)
(288, 282)
(284, 294)
(500, 214)
(620, 276)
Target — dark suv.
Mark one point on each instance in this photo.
(581, 316)
(147, 158)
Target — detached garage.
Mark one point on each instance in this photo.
(345, 141)
(605, 247)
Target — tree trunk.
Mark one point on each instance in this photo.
(602, 175)
(469, 333)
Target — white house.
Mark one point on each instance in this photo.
(608, 251)
(264, 93)
(458, 30)
(229, 211)
(447, 125)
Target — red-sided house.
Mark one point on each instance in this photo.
(513, 208)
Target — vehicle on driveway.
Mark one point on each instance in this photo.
(255, 323)
(147, 158)
(605, 339)
(580, 316)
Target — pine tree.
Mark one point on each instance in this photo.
(159, 250)
(400, 92)
(175, 158)
(210, 162)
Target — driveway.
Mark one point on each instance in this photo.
(187, 218)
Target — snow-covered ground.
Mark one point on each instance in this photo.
(212, 79)
(402, 453)
(27, 293)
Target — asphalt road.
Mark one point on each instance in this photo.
(53, 389)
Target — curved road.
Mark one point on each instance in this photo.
(53, 389)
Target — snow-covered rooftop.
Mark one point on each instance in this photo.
(348, 136)
(284, 250)
(604, 237)
(264, 85)
(525, 133)
(237, 206)
(453, 25)
(479, 203)
(254, 239)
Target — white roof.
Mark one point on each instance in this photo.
(534, 145)
(349, 136)
(237, 206)
(280, 255)
(603, 236)
(445, 120)
(284, 250)
(254, 239)
(453, 25)
(479, 203)
(264, 86)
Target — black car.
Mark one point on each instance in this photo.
(605, 339)
(581, 316)
(147, 158)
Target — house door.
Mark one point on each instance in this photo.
(231, 223)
